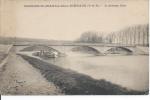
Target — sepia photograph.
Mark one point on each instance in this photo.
(74, 47)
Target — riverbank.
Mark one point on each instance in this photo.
(18, 77)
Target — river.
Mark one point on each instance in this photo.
(128, 71)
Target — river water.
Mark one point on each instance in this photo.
(128, 71)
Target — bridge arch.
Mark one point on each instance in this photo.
(39, 48)
(119, 50)
(86, 49)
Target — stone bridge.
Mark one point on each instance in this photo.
(104, 49)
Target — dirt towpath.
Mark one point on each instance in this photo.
(17, 76)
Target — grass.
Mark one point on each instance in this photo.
(73, 83)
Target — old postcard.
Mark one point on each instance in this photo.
(74, 47)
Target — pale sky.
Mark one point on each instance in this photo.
(70, 23)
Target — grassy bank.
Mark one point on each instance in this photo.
(71, 82)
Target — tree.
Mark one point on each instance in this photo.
(91, 37)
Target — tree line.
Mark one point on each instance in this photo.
(135, 35)
(91, 37)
